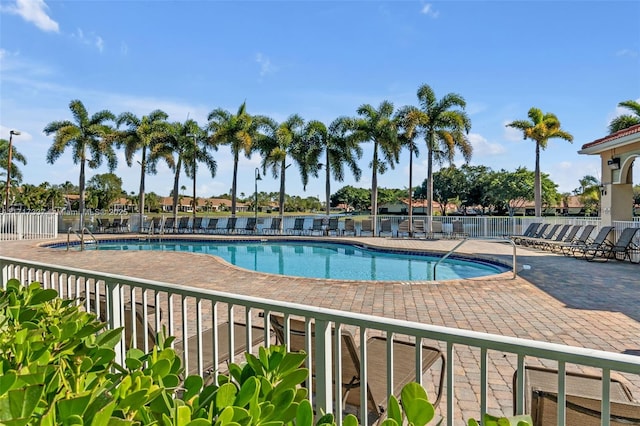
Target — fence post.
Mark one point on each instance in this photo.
(324, 368)
(115, 315)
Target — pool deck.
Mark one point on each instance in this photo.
(553, 298)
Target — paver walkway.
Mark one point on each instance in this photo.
(553, 298)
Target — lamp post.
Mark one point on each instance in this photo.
(6, 201)
(195, 149)
(257, 178)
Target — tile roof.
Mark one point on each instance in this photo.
(619, 134)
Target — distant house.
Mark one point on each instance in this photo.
(401, 207)
(185, 204)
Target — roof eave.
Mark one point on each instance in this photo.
(613, 143)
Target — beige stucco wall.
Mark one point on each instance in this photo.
(617, 199)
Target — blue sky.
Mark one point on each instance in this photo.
(320, 59)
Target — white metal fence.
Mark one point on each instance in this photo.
(199, 315)
(28, 226)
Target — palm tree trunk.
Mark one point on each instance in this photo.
(374, 188)
(410, 192)
(234, 184)
(429, 185)
(176, 181)
(82, 194)
(538, 184)
(327, 183)
(143, 171)
(283, 169)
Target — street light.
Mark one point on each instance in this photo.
(257, 178)
(6, 201)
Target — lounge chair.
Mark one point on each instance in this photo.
(168, 225)
(349, 227)
(564, 236)
(583, 396)
(403, 228)
(102, 224)
(567, 247)
(600, 240)
(419, 229)
(385, 227)
(556, 234)
(197, 225)
(212, 225)
(333, 226)
(183, 224)
(404, 356)
(458, 229)
(298, 227)
(114, 226)
(436, 230)
(274, 228)
(209, 364)
(366, 227)
(231, 225)
(250, 227)
(623, 247)
(316, 227)
(548, 234)
(529, 232)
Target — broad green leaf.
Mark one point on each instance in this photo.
(42, 296)
(419, 411)
(389, 422)
(132, 363)
(248, 391)
(350, 420)
(193, 385)
(291, 380)
(109, 338)
(101, 418)
(304, 414)
(393, 410)
(6, 381)
(22, 402)
(225, 395)
(73, 406)
(291, 361)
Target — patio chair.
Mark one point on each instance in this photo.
(419, 229)
(168, 225)
(366, 227)
(436, 230)
(583, 399)
(231, 225)
(556, 233)
(458, 229)
(623, 247)
(583, 239)
(298, 227)
(404, 360)
(274, 227)
(212, 225)
(539, 233)
(102, 224)
(209, 364)
(124, 225)
(529, 232)
(349, 227)
(333, 226)
(403, 228)
(385, 227)
(563, 237)
(114, 226)
(197, 224)
(316, 227)
(250, 226)
(154, 225)
(183, 224)
(600, 240)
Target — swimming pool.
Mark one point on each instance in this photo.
(312, 259)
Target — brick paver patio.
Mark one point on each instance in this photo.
(553, 298)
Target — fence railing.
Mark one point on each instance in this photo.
(28, 226)
(200, 318)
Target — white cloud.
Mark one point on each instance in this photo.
(89, 39)
(482, 147)
(630, 53)
(34, 11)
(428, 10)
(266, 67)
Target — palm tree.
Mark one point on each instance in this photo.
(199, 151)
(627, 120)
(87, 139)
(409, 120)
(540, 128)
(340, 149)
(140, 135)
(285, 140)
(177, 140)
(239, 131)
(379, 127)
(445, 130)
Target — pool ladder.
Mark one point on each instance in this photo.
(81, 237)
(478, 239)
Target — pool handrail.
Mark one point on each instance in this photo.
(450, 252)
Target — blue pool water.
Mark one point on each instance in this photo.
(322, 260)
